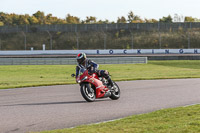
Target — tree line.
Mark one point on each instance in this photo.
(39, 18)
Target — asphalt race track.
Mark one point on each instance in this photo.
(57, 107)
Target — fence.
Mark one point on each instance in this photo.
(101, 36)
(70, 61)
(99, 27)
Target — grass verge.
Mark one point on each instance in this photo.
(41, 75)
(175, 120)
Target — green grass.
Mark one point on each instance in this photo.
(35, 75)
(38, 75)
(176, 120)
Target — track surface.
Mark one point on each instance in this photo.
(57, 107)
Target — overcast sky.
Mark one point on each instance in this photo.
(104, 9)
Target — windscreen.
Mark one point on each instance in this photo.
(82, 70)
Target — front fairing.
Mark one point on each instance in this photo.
(83, 72)
(93, 79)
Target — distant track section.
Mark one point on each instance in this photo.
(149, 56)
(70, 61)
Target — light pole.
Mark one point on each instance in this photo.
(105, 39)
(131, 38)
(160, 40)
(0, 43)
(50, 36)
(188, 40)
(160, 43)
(77, 41)
(24, 40)
(189, 35)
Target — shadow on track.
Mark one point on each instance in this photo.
(53, 103)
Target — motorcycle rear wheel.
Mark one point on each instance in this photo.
(90, 97)
(115, 93)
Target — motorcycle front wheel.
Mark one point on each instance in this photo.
(87, 92)
(115, 92)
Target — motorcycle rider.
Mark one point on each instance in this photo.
(92, 67)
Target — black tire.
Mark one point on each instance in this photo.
(115, 93)
(90, 97)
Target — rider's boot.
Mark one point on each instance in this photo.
(110, 83)
(106, 75)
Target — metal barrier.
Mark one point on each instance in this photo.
(70, 61)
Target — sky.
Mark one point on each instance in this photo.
(104, 9)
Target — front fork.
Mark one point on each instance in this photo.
(89, 88)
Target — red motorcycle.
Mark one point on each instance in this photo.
(92, 86)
